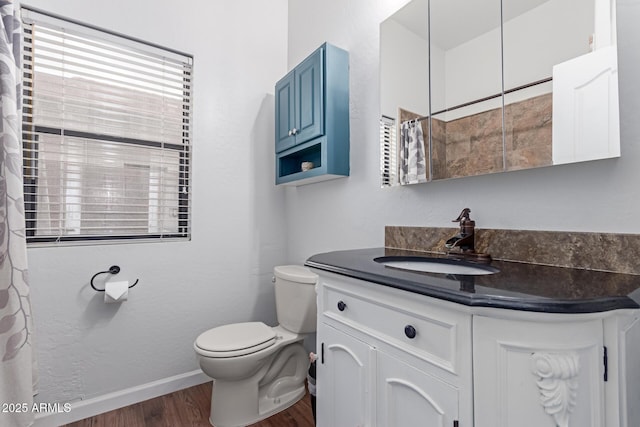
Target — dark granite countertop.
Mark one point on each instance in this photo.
(518, 286)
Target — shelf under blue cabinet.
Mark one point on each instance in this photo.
(328, 163)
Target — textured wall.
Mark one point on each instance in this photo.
(350, 213)
(87, 348)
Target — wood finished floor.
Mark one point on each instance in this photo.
(189, 408)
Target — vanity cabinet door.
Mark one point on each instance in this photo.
(407, 396)
(345, 372)
(548, 372)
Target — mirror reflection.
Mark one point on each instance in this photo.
(470, 88)
(466, 116)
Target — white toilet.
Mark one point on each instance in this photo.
(259, 370)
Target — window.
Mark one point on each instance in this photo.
(106, 135)
(388, 152)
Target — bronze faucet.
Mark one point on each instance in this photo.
(464, 241)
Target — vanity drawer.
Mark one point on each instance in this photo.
(401, 319)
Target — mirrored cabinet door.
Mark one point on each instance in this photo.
(466, 88)
(585, 82)
(404, 91)
(538, 35)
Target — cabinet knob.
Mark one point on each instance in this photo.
(410, 331)
(290, 132)
(294, 131)
(341, 305)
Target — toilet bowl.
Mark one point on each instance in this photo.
(259, 370)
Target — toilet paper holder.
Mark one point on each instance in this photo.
(114, 269)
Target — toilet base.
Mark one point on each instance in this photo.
(274, 388)
(228, 397)
(270, 407)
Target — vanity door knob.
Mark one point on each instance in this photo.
(410, 331)
(294, 131)
(290, 132)
(341, 305)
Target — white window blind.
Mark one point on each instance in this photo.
(106, 135)
(388, 152)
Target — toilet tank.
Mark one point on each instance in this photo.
(296, 298)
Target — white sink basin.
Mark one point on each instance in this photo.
(436, 265)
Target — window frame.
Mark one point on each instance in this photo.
(31, 132)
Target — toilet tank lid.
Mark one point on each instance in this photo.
(295, 273)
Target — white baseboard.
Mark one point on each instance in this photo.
(119, 399)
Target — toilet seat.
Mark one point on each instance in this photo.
(237, 339)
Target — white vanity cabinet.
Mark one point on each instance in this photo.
(390, 358)
(394, 358)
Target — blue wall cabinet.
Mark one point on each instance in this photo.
(312, 119)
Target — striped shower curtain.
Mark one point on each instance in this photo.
(17, 363)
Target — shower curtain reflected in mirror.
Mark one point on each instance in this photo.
(412, 153)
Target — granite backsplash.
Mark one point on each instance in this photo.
(591, 251)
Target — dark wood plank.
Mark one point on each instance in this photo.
(183, 409)
(154, 413)
(189, 408)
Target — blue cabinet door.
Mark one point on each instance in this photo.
(285, 112)
(300, 103)
(309, 102)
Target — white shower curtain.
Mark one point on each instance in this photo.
(17, 363)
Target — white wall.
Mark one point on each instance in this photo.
(472, 70)
(404, 71)
(598, 196)
(87, 348)
(530, 55)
